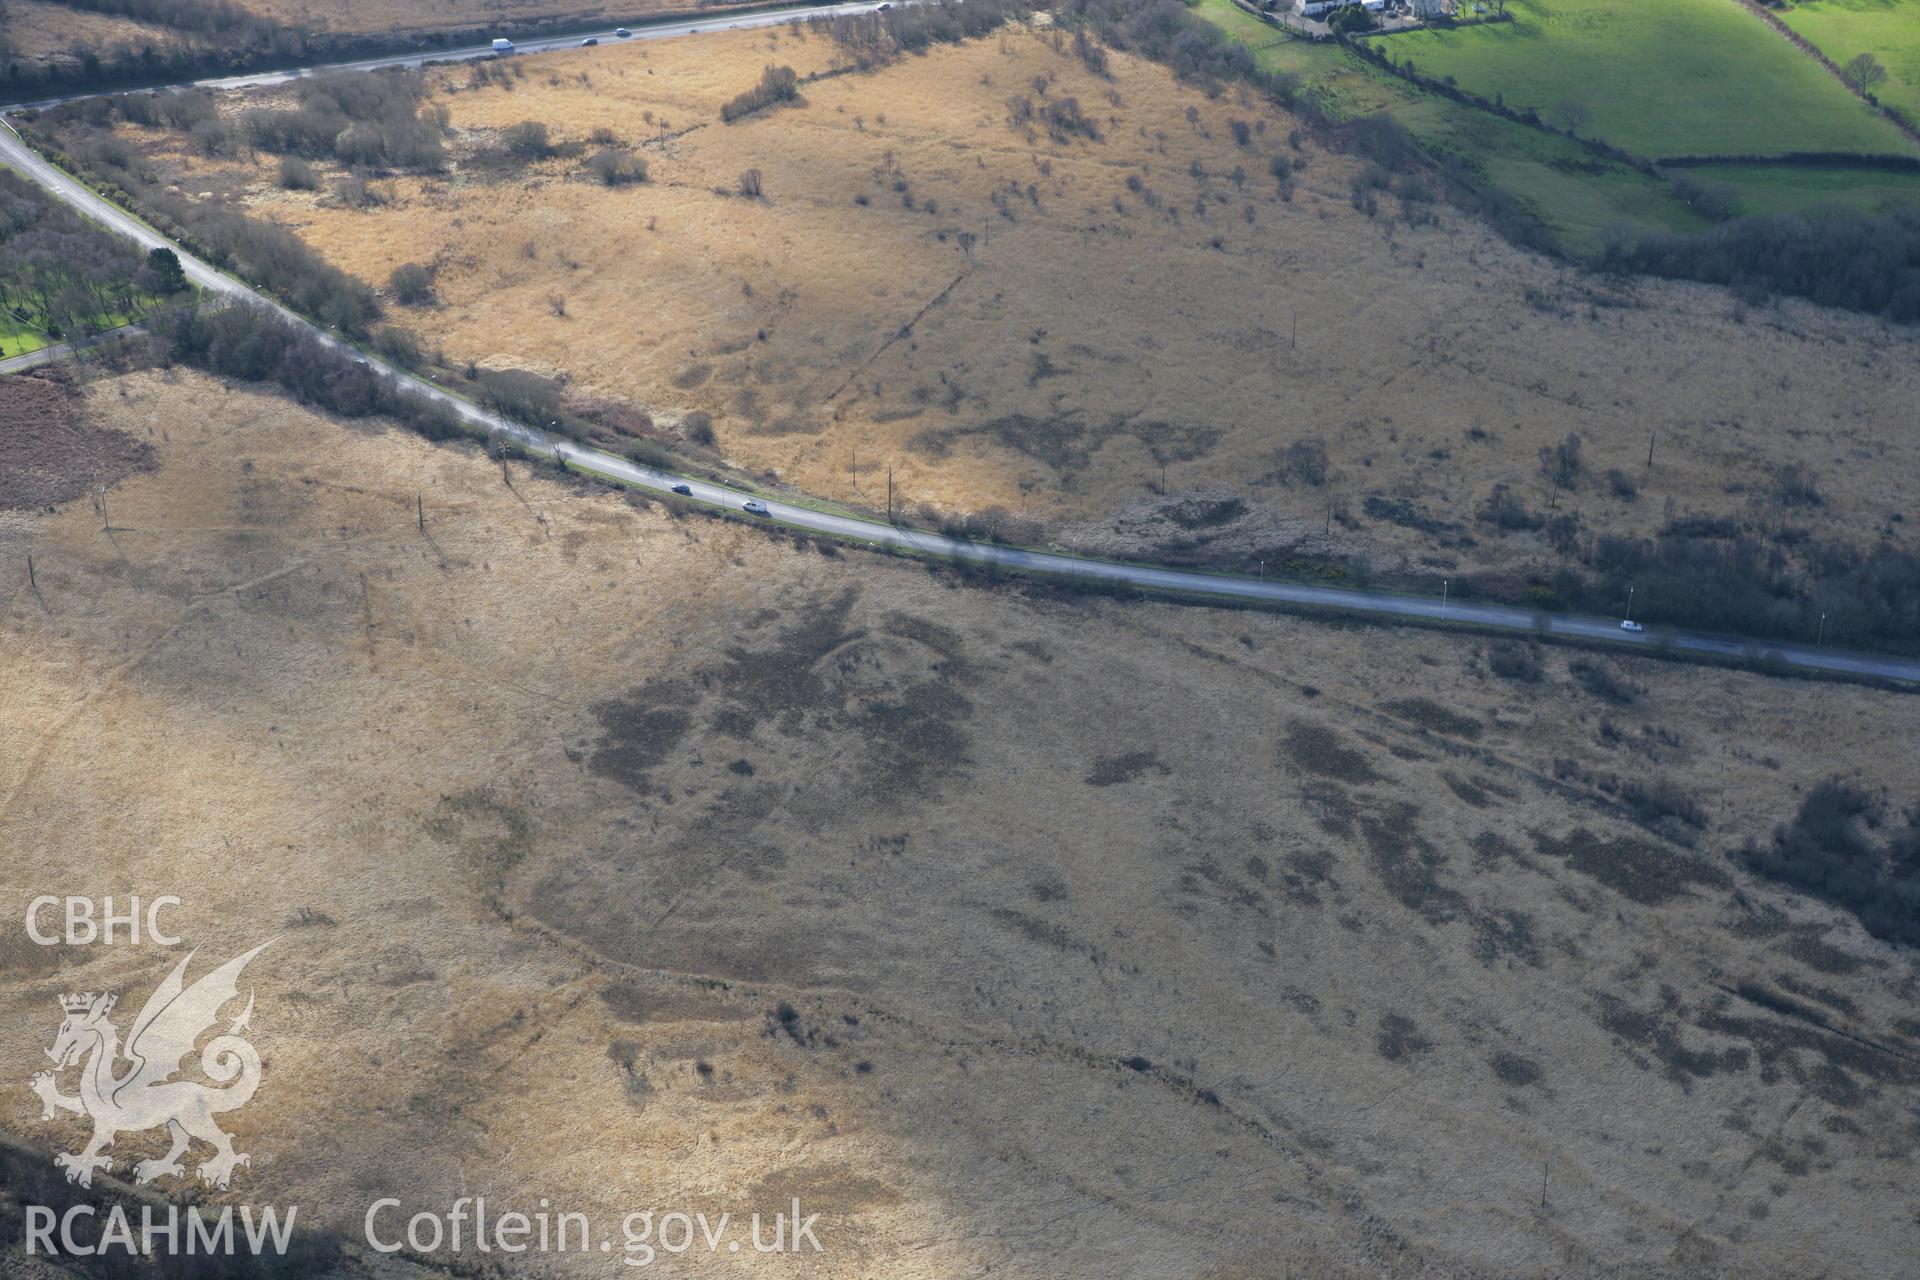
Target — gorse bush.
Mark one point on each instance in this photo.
(777, 84)
(375, 120)
(516, 393)
(528, 140)
(1065, 121)
(399, 346)
(412, 284)
(1844, 846)
(617, 167)
(297, 175)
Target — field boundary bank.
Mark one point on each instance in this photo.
(1530, 117)
(1812, 50)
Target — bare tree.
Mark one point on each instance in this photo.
(1573, 114)
(1864, 73)
(750, 184)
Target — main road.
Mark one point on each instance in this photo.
(1390, 606)
(475, 52)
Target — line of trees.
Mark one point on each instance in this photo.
(248, 342)
(1718, 575)
(1837, 258)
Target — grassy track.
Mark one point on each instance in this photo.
(1677, 77)
(1887, 29)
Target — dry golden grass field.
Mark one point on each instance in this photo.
(1052, 327)
(636, 861)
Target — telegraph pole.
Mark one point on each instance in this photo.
(1650, 447)
(420, 510)
(889, 495)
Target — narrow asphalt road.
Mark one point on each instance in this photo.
(33, 359)
(59, 350)
(1387, 605)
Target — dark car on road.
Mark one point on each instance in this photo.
(684, 490)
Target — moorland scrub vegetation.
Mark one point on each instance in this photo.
(377, 121)
(956, 318)
(1349, 932)
(1854, 849)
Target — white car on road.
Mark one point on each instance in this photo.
(1629, 624)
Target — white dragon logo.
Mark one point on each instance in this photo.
(145, 1096)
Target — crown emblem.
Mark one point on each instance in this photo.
(82, 1003)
